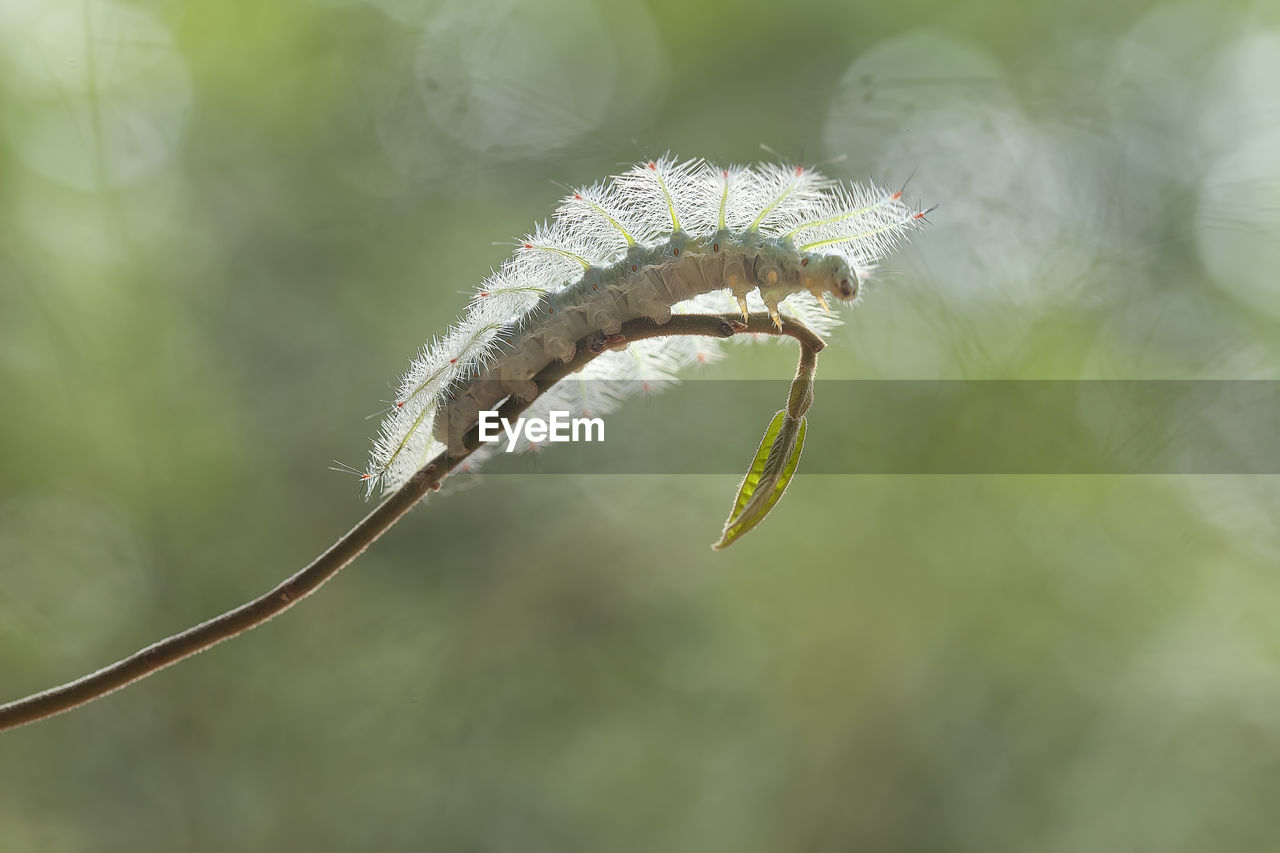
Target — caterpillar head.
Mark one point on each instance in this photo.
(830, 274)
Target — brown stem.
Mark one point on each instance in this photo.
(801, 396)
(172, 649)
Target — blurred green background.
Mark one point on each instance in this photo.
(225, 226)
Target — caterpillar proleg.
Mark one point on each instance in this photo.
(666, 237)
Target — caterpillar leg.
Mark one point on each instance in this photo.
(516, 381)
(742, 306)
(559, 348)
(777, 318)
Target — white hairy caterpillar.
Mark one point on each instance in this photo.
(665, 237)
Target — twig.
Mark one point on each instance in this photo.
(172, 649)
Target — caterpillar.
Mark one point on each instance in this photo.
(664, 237)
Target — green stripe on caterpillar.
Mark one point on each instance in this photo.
(664, 237)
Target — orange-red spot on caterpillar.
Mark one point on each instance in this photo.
(702, 358)
(453, 361)
(804, 262)
(799, 171)
(364, 477)
(725, 173)
(634, 267)
(896, 196)
(484, 294)
(577, 196)
(653, 166)
(528, 245)
(920, 215)
(715, 247)
(400, 404)
(675, 251)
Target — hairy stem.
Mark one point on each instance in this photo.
(172, 649)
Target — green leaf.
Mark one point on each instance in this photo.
(754, 473)
(771, 470)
